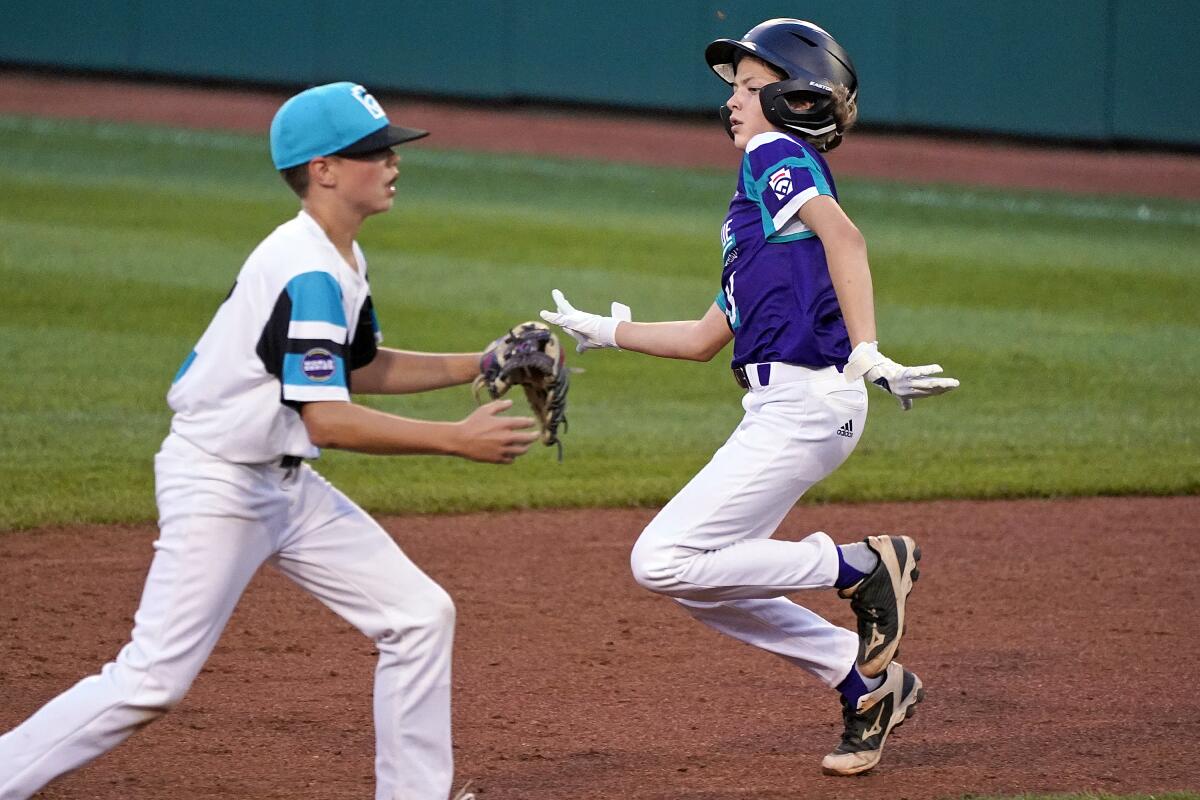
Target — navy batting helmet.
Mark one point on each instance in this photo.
(812, 62)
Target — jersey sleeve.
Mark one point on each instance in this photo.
(780, 176)
(304, 341)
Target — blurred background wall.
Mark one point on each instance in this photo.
(1104, 71)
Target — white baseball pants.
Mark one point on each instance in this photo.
(710, 546)
(218, 523)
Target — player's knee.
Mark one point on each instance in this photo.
(432, 617)
(652, 566)
(442, 613)
(155, 697)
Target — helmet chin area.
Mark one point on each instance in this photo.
(726, 116)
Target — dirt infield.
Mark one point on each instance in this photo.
(1055, 638)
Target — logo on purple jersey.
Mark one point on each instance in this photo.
(318, 365)
(781, 182)
(728, 242)
(730, 308)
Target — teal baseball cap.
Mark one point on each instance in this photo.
(335, 119)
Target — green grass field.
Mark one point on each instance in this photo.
(1071, 322)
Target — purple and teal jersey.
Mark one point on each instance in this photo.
(775, 288)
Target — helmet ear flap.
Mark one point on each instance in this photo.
(815, 121)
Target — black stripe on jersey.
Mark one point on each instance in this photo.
(272, 344)
(363, 347)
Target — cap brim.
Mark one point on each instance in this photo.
(385, 137)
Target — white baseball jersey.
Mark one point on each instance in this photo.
(296, 323)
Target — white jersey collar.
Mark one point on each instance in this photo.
(317, 231)
(766, 137)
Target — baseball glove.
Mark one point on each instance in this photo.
(529, 356)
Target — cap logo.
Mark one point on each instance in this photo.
(368, 102)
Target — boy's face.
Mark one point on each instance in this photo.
(367, 182)
(746, 115)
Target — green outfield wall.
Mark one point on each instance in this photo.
(1100, 70)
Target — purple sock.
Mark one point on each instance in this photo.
(847, 575)
(852, 687)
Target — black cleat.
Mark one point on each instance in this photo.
(868, 726)
(878, 601)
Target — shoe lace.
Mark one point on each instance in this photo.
(850, 735)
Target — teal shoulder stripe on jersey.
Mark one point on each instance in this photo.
(804, 162)
(316, 297)
(753, 190)
(807, 163)
(187, 362)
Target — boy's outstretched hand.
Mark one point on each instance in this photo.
(590, 331)
(485, 435)
(906, 383)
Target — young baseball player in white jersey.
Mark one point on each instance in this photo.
(269, 383)
(796, 299)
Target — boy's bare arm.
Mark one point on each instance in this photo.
(846, 255)
(693, 340)
(482, 436)
(406, 372)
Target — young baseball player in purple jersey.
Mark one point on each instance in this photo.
(267, 384)
(796, 299)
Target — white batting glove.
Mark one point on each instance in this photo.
(906, 383)
(590, 331)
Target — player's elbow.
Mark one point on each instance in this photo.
(705, 348)
(706, 351)
(706, 337)
(321, 439)
(325, 424)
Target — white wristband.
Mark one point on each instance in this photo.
(864, 356)
(608, 326)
